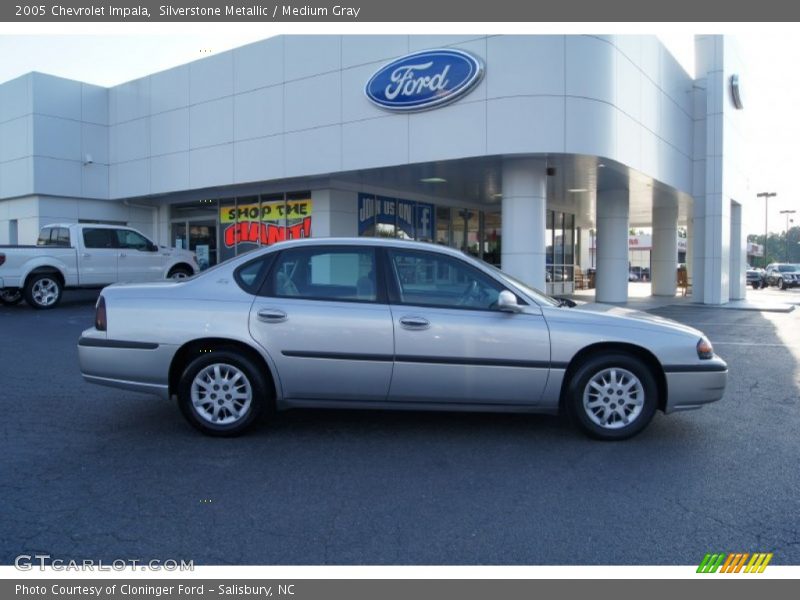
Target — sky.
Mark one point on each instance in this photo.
(771, 87)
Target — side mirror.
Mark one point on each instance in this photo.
(507, 302)
(151, 247)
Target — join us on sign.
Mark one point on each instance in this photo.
(424, 80)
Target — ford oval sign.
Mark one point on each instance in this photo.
(423, 80)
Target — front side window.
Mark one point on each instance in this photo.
(430, 279)
(345, 274)
(99, 238)
(132, 240)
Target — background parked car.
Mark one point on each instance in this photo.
(755, 277)
(782, 275)
(85, 256)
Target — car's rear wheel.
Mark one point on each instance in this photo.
(43, 291)
(10, 296)
(612, 396)
(222, 393)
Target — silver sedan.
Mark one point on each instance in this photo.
(389, 324)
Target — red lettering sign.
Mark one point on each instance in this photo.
(253, 232)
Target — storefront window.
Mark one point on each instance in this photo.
(443, 225)
(548, 240)
(569, 245)
(492, 235)
(299, 215)
(229, 226)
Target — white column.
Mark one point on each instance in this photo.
(334, 213)
(689, 246)
(738, 284)
(524, 209)
(612, 246)
(665, 247)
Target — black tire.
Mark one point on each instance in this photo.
(594, 367)
(180, 272)
(250, 375)
(43, 291)
(10, 296)
(781, 285)
(756, 285)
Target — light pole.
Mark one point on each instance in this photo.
(787, 213)
(766, 196)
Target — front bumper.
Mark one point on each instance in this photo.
(692, 386)
(136, 366)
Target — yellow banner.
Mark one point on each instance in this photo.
(267, 211)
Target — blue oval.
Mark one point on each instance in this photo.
(423, 80)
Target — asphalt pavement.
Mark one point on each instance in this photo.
(93, 472)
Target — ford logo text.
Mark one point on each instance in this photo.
(424, 80)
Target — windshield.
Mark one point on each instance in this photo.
(538, 296)
(788, 268)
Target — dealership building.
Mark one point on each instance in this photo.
(534, 153)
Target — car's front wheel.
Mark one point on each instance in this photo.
(612, 396)
(222, 393)
(756, 285)
(781, 284)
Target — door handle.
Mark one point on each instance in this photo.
(414, 323)
(271, 315)
(86, 255)
(122, 255)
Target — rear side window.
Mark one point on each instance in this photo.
(54, 236)
(340, 273)
(99, 238)
(250, 275)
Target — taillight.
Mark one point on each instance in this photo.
(100, 322)
(2, 259)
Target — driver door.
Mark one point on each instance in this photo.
(452, 345)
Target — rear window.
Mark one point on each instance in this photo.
(54, 236)
(99, 238)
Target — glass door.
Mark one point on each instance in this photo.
(203, 242)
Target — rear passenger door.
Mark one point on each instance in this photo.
(324, 320)
(97, 260)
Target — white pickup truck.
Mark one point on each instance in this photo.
(85, 256)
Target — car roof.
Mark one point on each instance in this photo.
(92, 225)
(370, 241)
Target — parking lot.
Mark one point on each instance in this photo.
(92, 472)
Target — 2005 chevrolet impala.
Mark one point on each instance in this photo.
(373, 323)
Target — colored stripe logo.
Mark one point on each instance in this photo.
(735, 562)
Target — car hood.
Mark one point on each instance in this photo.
(621, 312)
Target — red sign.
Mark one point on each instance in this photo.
(266, 234)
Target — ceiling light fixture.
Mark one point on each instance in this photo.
(577, 190)
(433, 180)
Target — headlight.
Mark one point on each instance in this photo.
(704, 349)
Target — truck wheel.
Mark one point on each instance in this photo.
(43, 291)
(179, 273)
(10, 296)
(756, 285)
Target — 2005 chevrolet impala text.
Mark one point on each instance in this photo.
(389, 324)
